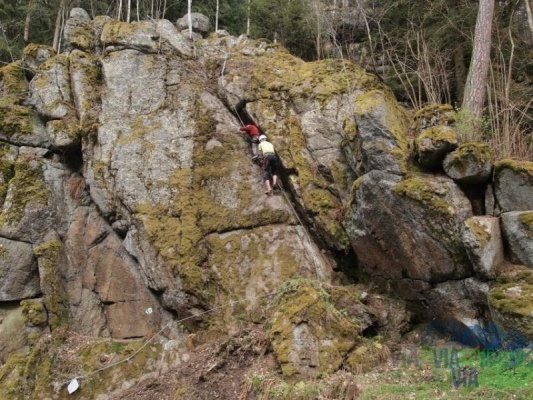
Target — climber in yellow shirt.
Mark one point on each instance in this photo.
(270, 164)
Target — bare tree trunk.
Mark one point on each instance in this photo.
(248, 19)
(189, 8)
(476, 81)
(57, 30)
(318, 30)
(27, 22)
(119, 12)
(138, 19)
(529, 15)
(216, 16)
(128, 14)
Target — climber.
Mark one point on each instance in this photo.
(270, 164)
(253, 131)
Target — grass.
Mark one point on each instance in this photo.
(498, 378)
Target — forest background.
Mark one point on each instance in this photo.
(473, 55)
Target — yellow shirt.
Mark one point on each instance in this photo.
(266, 147)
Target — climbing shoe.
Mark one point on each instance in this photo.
(268, 192)
(255, 158)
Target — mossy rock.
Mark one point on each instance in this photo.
(7, 169)
(513, 185)
(367, 356)
(517, 166)
(470, 163)
(54, 295)
(433, 115)
(13, 82)
(15, 120)
(26, 187)
(34, 55)
(424, 191)
(309, 335)
(433, 144)
(512, 308)
(135, 36)
(34, 312)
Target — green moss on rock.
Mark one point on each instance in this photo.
(517, 166)
(7, 170)
(13, 81)
(513, 304)
(437, 134)
(479, 231)
(27, 187)
(15, 119)
(307, 302)
(33, 312)
(526, 220)
(55, 298)
(423, 191)
(32, 50)
(439, 114)
(396, 119)
(367, 356)
(470, 152)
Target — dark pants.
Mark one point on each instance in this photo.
(270, 166)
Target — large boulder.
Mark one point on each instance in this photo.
(470, 163)
(484, 246)
(171, 37)
(79, 32)
(34, 55)
(409, 229)
(381, 132)
(433, 144)
(309, 335)
(141, 37)
(19, 124)
(50, 88)
(199, 23)
(510, 303)
(518, 232)
(513, 181)
(434, 115)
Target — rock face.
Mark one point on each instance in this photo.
(128, 201)
(483, 244)
(518, 231)
(514, 185)
(470, 163)
(432, 209)
(199, 22)
(434, 144)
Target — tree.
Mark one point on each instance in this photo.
(528, 4)
(189, 8)
(476, 82)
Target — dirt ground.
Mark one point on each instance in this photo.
(221, 370)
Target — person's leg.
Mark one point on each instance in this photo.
(274, 168)
(266, 179)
